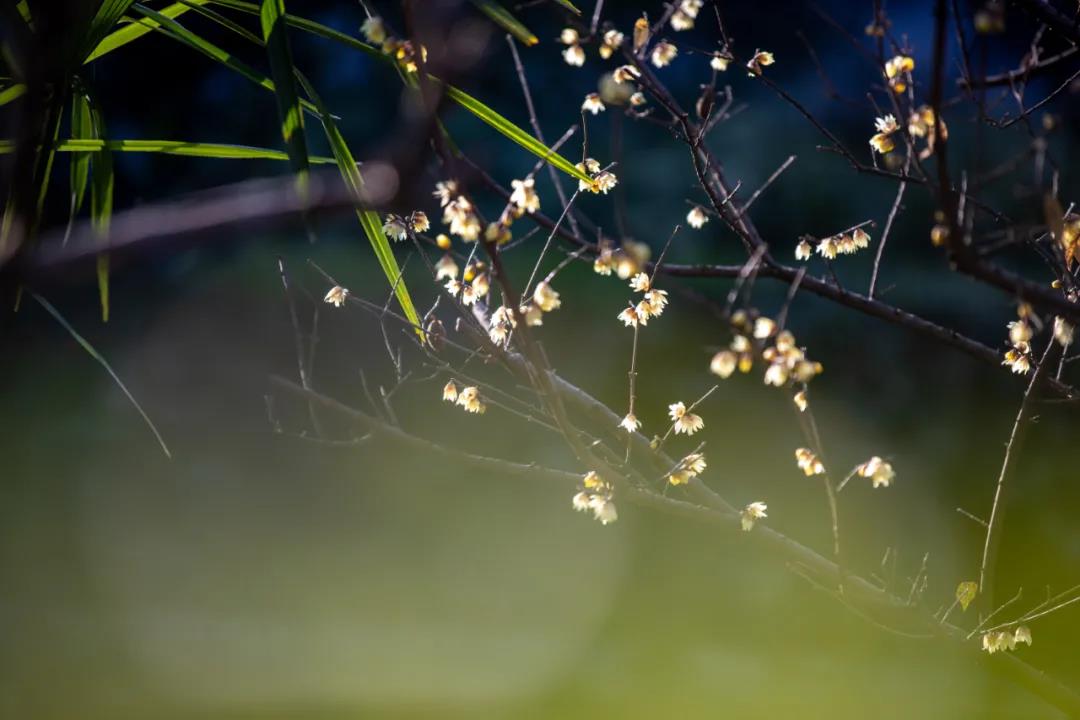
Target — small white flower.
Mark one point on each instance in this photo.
(546, 297)
(336, 296)
(373, 30)
(626, 74)
(808, 462)
(604, 509)
(720, 61)
(764, 327)
(593, 104)
(697, 217)
(395, 228)
(800, 400)
(685, 422)
(524, 195)
(723, 363)
(878, 470)
(419, 222)
(663, 53)
(574, 55)
(446, 268)
(630, 423)
(449, 392)
(1063, 332)
(752, 513)
(581, 501)
(803, 250)
(640, 282)
(569, 36)
(827, 248)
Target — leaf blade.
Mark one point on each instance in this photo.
(504, 19)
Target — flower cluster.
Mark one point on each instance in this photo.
(601, 181)
(612, 41)
(685, 422)
(501, 324)
(845, 243)
(688, 468)
(468, 398)
(922, 125)
(596, 495)
(684, 17)
(808, 462)
(458, 211)
(375, 32)
(751, 514)
(544, 299)
(786, 361)
(879, 471)
(573, 54)
(474, 284)
(625, 261)
(1018, 356)
(898, 72)
(524, 196)
(1001, 640)
(397, 228)
(651, 305)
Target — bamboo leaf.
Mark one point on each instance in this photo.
(468, 102)
(104, 363)
(369, 219)
(569, 6)
(82, 128)
(12, 92)
(101, 206)
(274, 31)
(502, 17)
(170, 147)
(138, 28)
(108, 14)
(181, 33)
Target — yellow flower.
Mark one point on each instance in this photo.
(374, 30)
(593, 104)
(1016, 358)
(800, 400)
(827, 248)
(882, 144)
(442, 241)
(626, 74)
(723, 363)
(569, 36)
(524, 195)
(808, 462)
(751, 514)
(604, 262)
(695, 463)
(697, 217)
(761, 58)
(777, 374)
(502, 322)
(481, 285)
(720, 61)
(604, 182)
(764, 327)
(685, 422)
(663, 53)
(592, 480)
(803, 250)
(654, 302)
(681, 21)
(1019, 332)
(1022, 635)
(336, 296)
(446, 268)
(574, 55)
(545, 297)
(878, 470)
(603, 509)
(896, 70)
(861, 239)
(1063, 332)
(613, 39)
(630, 423)
(631, 318)
(419, 222)
(679, 477)
(469, 398)
(580, 501)
(395, 228)
(532, 313)
(640, 282)
(449, 392)
(641, 32)
(637, 99)
(446, 191)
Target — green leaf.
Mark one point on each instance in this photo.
(104, 363)
(513, 132)
(12, 92)
(82, 128)
(569, 6)
(272, 19)
(181, 33)
(965, 593)
(482, 111)
(369, 219)
(138, 28)
(170, 147)
(502, 17)
(108, 14)
(101, 206)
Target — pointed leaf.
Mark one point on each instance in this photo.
(965, 593)
(504, 19)
(276, 38)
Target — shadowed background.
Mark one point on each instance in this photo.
(260, 574)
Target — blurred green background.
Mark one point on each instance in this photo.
(258, 574)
